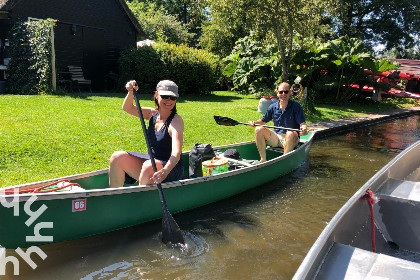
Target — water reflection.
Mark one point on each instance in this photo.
(261, 234)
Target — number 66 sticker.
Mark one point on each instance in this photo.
(79, 205)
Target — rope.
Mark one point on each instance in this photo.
(41, 189)
(370, 200)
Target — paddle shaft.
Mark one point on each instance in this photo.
(166, 213)
(269, 126)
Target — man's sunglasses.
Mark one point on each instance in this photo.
(173, 98)
(283, 92)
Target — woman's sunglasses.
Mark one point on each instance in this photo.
(173, 98)
(283, 92)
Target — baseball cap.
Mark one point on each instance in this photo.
(167, 87)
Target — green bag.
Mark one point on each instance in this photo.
(214, 166)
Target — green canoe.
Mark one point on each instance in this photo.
(30, 219)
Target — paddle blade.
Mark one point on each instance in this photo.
(225, 121)
(171, 232)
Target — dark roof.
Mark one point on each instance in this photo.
(408, 66)
(7, 5)
(130, 16)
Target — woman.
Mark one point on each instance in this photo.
(165, 135)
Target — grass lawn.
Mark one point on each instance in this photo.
(44, 137)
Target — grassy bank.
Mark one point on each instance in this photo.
(44, 137)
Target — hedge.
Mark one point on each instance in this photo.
(30, 64)
(194, 71)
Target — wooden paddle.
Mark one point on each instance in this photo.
(231, 122)
(170, 229)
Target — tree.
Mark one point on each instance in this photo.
(411, 53)
(287, 22)
(187, 13)
(158, 25)
(393, 23)
(227, 23)
(292, 22)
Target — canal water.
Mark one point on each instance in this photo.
(261, 234)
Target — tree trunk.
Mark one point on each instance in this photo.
(283, 56)
(377, 95)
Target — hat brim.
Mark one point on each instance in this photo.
(167, 92)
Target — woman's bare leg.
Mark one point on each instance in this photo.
(120, 163)
(147, 172)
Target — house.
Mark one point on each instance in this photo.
(408, 66)
(412, 68)
(89, 33)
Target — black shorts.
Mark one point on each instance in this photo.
(176, 174)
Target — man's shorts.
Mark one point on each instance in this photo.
(278, 140)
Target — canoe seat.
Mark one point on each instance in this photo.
(401, 189)
(239, 163)
(276, 149)
(281, 150)
(346, 262)
(74, 189)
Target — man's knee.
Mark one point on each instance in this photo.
(262, 131)
(292, 135)
(259, 129)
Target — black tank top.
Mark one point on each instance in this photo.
(160, 140)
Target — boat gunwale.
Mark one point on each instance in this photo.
(321, 242)
(133, 189)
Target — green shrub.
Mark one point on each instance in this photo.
(141, 65)
(253, 67)
(30, 64)
(194, 71)
(336, 63)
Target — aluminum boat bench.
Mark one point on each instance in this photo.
(346, 262)
(400, 189)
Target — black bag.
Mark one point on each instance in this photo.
(232, 153)
(199, 153)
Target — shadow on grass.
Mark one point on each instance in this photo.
(88, 95)
(210, 98)
(329, 111)
(148, 96)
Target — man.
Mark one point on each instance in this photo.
(285, 113)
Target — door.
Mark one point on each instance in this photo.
(93, 56)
